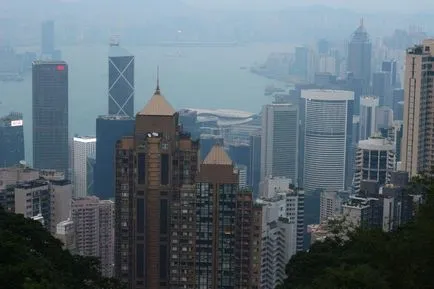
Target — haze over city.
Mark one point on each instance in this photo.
(232, 144)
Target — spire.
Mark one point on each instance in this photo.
(361, 22)
(157, 89)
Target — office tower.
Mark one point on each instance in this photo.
(326, 64)
(382, 88)
(254, 168)
(47, 44)
(328, 129)
(239, 153)
(368, 113)
(121, 81)
(331, 204)
(359, 56)
(390, 66)
(282, 228)
(65, 232)
(375, 161)
(90, 178)
(50, 115)
(84, 148)
(383, 118)
(11, 140)
(300, 66)
(94, 230)
(207, 141)
(279, 141)
(323, 46)
(398, 104)
(226, 242)
(188, 121)
(109, 129)
(155, 195)
(33, 198)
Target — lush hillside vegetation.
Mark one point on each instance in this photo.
(372, 259)
(30, 258)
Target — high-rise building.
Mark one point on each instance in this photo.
(382, 88)
(94, 230)
(254, 168)
(383, 118)
(398, 104)
(155, 195)
(47, 37)
(359, 56)
(279, 141)
(121, 81)
(390, 66)
(368, 113)
(328, 139)
(65, 232)
(375, 161)
(226, 243)
(282, 228)
(109, 129)
(50, 115)
(11, 140)
(331, 204)
(84, 149)
(416, 151)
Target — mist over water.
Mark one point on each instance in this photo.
(190, 77)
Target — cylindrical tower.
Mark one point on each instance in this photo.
(375, 161)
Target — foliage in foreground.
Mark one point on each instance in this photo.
(372, 259)
(30, 258)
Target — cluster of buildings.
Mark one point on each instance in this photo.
(202, 198)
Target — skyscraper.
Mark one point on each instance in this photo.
(254, 168)
(121, 81)
(416, 147)
(381, 88)
(50, 115)
(328, 138)
(368, 113)
(109, 129)
(47, 37)
(359, 56)
(279, 141)
(83, 150)
(155, 195)
(11, 140)
(390, 66)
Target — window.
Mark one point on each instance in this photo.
(141, 168)
(140, 216)
(163, 262)
(163, 216)
(164, 177)
(140, 269)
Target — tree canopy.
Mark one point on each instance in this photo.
(30, 258)
(403, 259)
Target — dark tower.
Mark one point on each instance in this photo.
(50, 115)
(121, 81)
(11, 140)
(359, 56)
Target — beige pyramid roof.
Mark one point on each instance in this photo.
(157, 105)
(217, 156)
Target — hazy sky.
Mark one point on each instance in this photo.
(362, 5)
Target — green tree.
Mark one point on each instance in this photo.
(30, 258)
(371, 258)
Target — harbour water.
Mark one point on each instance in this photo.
(190, 77)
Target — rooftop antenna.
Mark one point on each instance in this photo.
(361, 21)
(157, 90)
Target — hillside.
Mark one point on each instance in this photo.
(30, 258)
(372, 259)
